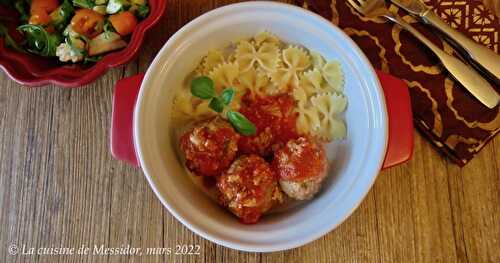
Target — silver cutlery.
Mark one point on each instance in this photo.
(485, 58)
(469, 78)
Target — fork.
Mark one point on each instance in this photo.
(470, 79)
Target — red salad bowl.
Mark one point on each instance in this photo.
(35, 71)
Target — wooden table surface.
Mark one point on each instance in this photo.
(60, 187)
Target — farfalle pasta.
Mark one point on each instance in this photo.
(314, 78)
(296, 58)
(212, 60)
(284, 79)
(329, 107)
(319, 93)
(255, 81)
(317, 60)
(308, 120)
(266, 37)
(332, 72)
(248, 55)
(225, 75)
(188, 108)
(265, 66)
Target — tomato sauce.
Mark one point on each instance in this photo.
(275, 120)
(300, 159)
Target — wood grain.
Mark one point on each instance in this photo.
(59, 186)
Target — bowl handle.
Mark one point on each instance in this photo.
(122, 137)
(399, 149)
(397, 99)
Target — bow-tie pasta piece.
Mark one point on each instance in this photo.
(254, 81)
(286, 76)
(318, 62)
(309, 85)
(188, 108)
(305, 90)
(332, 72)
(308, 120)
(245, 55)
(225, 75)
(267, 56)
(329, 106)
(266, 37)
(300, 96)
(285, 79)
(296, 58)
(332, 129)
(339, 103)
(315, 78)
(212, 60)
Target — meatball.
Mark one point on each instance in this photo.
(301, 190)
(249, 188)
(210, 148)
(301, 166)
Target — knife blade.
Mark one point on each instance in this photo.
(481, 57)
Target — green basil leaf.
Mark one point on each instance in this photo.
(216, 105)
(227, 96)
(39, 42)
(53, 41)
(203, 88)
(241, 123)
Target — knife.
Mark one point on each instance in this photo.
(480, 56)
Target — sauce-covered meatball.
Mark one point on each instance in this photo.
(249, 188)
(301, 166)
(210, 148)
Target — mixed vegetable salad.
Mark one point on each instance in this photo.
(74, 30)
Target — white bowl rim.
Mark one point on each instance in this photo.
(144, 164)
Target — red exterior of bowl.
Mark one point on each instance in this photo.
(34, 71)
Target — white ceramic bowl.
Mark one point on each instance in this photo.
(355, 161)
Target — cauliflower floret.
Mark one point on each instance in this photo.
(66, 53)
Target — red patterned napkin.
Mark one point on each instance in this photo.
(443, 111)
